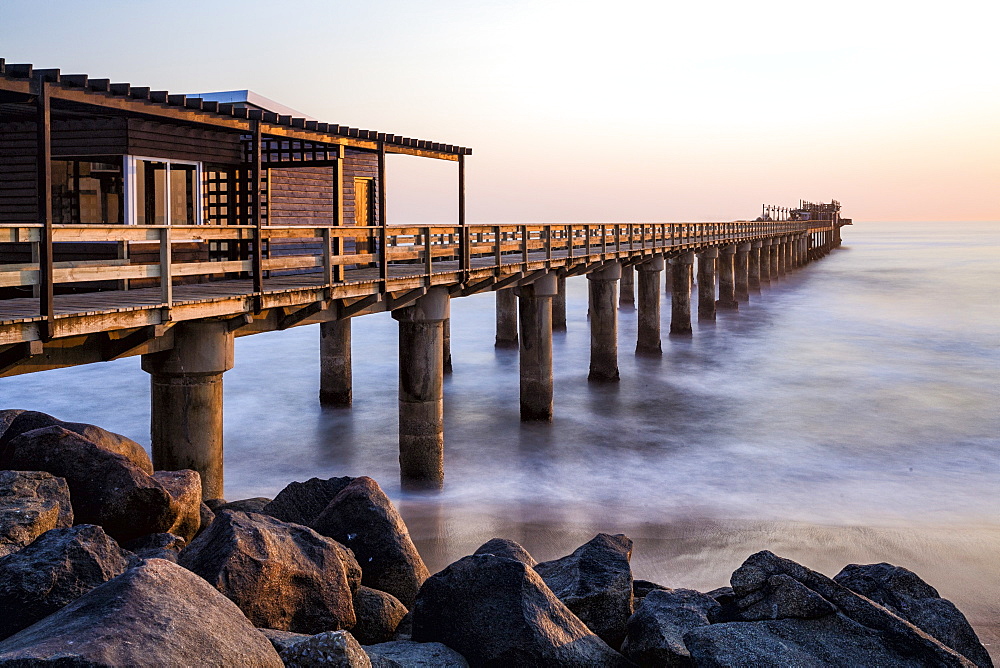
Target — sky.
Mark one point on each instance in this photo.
(594, 111)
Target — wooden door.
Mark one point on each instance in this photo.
(364, 213)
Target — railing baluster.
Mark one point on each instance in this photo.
(166, 273)
(428, 255)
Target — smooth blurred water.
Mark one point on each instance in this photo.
(851, 411)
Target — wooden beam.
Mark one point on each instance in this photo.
(17, 353)
(295, 317)
(506, 281)
(405, 299)
(347, 310)
(43, 156)
(383, 252)
(115, 348)
(257, 184)
(238, 322)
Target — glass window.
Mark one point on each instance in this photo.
(150, 192)
(89, 191)
(182, 194)
(164, 192)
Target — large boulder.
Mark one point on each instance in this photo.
(302, 502)
(31, 503)
(59, 567)
(254, 505)
(105, 488)
(155, 614)
(378, 614)
(503, 547)
(282, 576)
(157, 546)
(362, 518)
(409, 654)
(330, 648)
(595, 582)
(904, 593)
(282, 640)
(496, 611)
(656, 630)
(6, 417)
(184, 488)
(755, 586)
(27, 421)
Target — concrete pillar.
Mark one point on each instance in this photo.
(446, 345)
(535, 311)
(707, 260)
(421, 389)
(775, 265)
(753, 266)
(335, 381)
(626, 289)
(680, 301)
(727, 278)
(604, 323)
(559, 306)
(186, 401)
(506, 318)
(788, 257)
(741, 266)
(765, 262)
(648, 340)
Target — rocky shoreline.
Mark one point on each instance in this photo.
(105, 562)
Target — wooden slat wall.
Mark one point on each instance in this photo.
(299, 196)
(161, 140)
(358, 164)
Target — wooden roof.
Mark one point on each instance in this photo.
(80, 89)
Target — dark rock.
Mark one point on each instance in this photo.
(207, 516)
(30, 420)
(184, 488)
(502, 547)
(782, 598)
(6, 417)
(904, 593)
(330, 648)
(751, 582)
(302, 502)
(404, 631)
(157, 546)
(282, 576)
(641, 588)
(726, 598)
(254, 505)
(31, 503)
(105, 488)
(156, 614)
(60, 566)
(498, 612)
(378, 614)
(362, 518)
(656, 630)
(595, 582)
(213, 504)
(282, 640)
(409, 654)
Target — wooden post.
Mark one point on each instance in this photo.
(383, 255)
(337, 246)
(257, 183)
(166, 273)
(465, 239)
(46, 288)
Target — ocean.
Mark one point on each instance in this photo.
(849, 413)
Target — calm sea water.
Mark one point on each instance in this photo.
(848, 413)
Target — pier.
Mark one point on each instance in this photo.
(213, 221)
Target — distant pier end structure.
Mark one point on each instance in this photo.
(139, 222)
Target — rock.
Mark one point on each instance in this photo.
(30, 420)
(155, 614)
(157, 546)
(331, 648)
(408, 654)
(254, 505)
(207, 516)
(6, 417)
(502, 547)
(31, 503)
(378, 615)
(641, 588)
(498, 612)
(595, 582)
(362, 518)
(751, 582)
(656, 630)
(214, 504)
(726, 598)
(904, 593)
(57, 568)
(105, 488)
(302, 502)
(404, 631)
(783, 598)
(282, 640)
(184, 488)
(282, 576)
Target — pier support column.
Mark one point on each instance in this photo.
(626, 289)
(680, 294)
(775, 263)
(506, 318)
(559, 306)
(446, 345)
(789, 254)
(421, 389)
(753, 267)
(535, 311)
(727, 278)
(186, 401)
(707, 260)
(742, 268)
(604, 323)
(648, 340)
(335, 377)
(765, 262)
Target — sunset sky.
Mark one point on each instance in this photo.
(587, 111)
